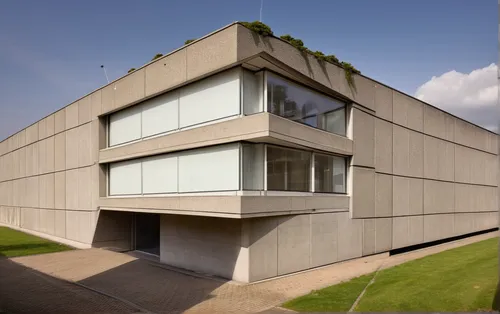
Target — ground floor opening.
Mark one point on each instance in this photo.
(146, 233)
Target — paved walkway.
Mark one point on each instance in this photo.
(152, 287)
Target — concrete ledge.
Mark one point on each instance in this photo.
(262, 127)
(232, 206)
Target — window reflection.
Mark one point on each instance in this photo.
(305, 106)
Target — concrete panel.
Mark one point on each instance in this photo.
(30, 218)
(84, 188)
(210, 245)
(10, 215)
(85, 145)
(439, 159)
(60, 223)
(71, 115)
(46, 186)
(437, 227)
(43, 194)
(47, 221)
(84, 110)
(383, 234)
(72, 191)
(350, 237)
(408, 112)
(369, 236)
(211, 54)
(80, 226)
(263, 248)
(21, 139)
(294, 244)
(383, 146)
(72, 145)
(50, 151)
(166, 73)
(363, 192)
(463, 223)
(60, 190)
(32, 133)
(407, 231)
(95, 104)
(129, 89)
(383, 102)
(439, 197)
(32, 191)
(42, 129)
(15, 164)
(363, 130)
(50, 125)
(408, 151)
(42, 156)
(324, 238)
(475, 198)
(108, 99)
(364, 93)
(60, 121)
(383, 195)
(439, 123)
(60, 151)
(97, 140)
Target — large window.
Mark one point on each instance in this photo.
(288, 170)
(213, 98)
(200, 170)
(303, 105)
(329, 174)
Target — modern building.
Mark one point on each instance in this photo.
(240, 156)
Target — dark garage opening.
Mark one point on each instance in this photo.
(147, 233)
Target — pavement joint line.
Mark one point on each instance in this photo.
(133, 305)
(360, 296)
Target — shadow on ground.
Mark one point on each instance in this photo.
(153, 287)
(23, 290)
(137, 286)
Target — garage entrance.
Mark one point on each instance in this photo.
(147, 233)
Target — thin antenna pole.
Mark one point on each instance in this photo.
(106, 74)
(261, 5)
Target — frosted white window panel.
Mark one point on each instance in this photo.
(159, 175)
(125, 126)
(125, 178)
(210, 169)
(160, 114)
(213, 98)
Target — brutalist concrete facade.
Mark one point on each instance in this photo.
(415, 173)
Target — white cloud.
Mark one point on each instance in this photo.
(471, 96)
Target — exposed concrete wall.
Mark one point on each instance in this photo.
(46, 174)
(204, 244)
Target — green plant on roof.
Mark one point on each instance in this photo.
(158, 55)
(349, 70)
(189, 41)
(131, 70)
(297, 43)
(258, 27)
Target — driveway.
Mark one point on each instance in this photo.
(121, 283)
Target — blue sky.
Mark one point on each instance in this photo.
(51, 51)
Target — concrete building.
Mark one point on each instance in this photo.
(239, 156)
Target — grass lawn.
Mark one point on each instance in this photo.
(16, 243)
(461, 279)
